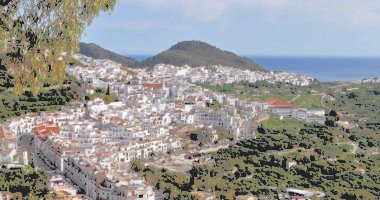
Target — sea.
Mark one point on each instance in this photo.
(325, 69)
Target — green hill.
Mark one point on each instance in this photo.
(97, 52)
(193, 53)
(196, 53)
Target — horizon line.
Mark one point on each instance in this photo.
(262, 55)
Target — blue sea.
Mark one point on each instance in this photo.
(322, 68)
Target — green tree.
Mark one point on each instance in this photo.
(137, 165)
(109, 99)
(38, 37)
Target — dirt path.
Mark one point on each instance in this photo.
(354, 145)
(213, 149)
(322, 103)
(288, 151)
(295, 98)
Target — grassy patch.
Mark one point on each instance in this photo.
(309, 101)
(287, 123)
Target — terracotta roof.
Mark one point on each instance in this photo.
(193, 153)
(276, 103)
(46, 129)
(153, 85)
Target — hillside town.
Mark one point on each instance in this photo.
(88, 147)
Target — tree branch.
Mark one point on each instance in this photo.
(4, 2)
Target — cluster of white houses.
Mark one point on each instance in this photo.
(219, 75)
(93, 143)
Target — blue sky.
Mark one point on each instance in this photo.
(246, 27)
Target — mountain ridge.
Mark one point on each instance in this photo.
(98, 52)
(193, 53)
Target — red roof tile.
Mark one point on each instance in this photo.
(276, 103)
(153, 85)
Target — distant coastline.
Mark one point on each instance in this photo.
(139, 57)
(326, 69)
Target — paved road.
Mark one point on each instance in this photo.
(28, 143)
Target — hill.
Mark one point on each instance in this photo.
(97, 52)
(193, 53)
(197, 53)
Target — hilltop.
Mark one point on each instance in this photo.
(197, 53)
(193, 53)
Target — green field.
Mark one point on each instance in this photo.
(287, 123)
(310, 96)
(309, 101)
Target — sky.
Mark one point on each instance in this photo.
(246, 27)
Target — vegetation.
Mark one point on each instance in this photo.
(102, 94)
(97, 52)
(193, 53)
(196, 53)
(215, 105)
(195, 133)
(356, 102)
(287, 123)
(173, 185)
(223, 135)
(335, 160)
(51, 98)
(35, 33)
(308, 101)
(309, 95)
(27, 183)
(352, 102)
(325, 161)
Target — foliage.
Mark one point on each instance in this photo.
(192, 53)
(102, 94)
(172, 184)
(215, 105)
(137, 165)
(309, 101)
(196, 53)
(97, 52)
(35, 34)
(258, 167)
(309, 95)
(274, 122)
(354, 105)
(109, 99)
(51, 98)
(194, 134)
(30, 183)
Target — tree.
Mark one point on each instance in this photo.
(38, 37)
(376, 91)
(333, 113)
(137, 165)
(109, 99)
(108, 90)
